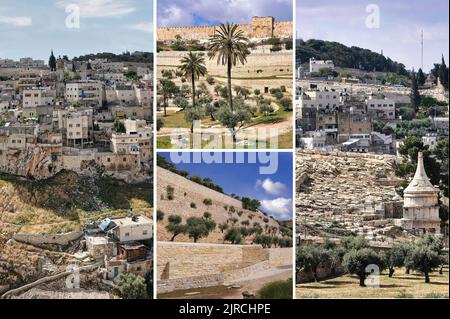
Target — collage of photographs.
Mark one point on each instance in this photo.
(239, 149)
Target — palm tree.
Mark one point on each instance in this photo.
(231, 47)
(193, 66)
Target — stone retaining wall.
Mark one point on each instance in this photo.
(47, 239)
(280, 257)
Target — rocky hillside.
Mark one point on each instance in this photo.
(345, 182)
(180, 196)
(62, 203)
(344, 193)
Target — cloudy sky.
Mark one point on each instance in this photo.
(399, 30)
(173, 13)
(33, 28)
(274, 191)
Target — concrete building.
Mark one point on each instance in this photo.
(381, 107)
(421, 203)
(353, 126)
(128, 229)
(38, 96)
(86, 93)
(317, 65)
(124, 143)
(320, 99)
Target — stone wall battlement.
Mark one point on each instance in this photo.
(260, 27)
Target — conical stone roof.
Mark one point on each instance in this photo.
(420, 183)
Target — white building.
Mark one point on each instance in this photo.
(38, 96)
(381, 107)
(431, 139)
(88, 93)
(320, 99)
(124, 143)
(317, 65)
(137, 228)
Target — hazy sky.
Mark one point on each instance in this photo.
(274, 191)
(33, 28)
(399, 30)
(173, 13)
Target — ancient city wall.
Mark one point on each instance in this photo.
(283, 29)
(186, 192)
(259, 64)
(259, 28)
(48, 239)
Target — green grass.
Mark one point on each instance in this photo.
(276, 117)
(277, 290)
(401, 285)
(163, 142)
(174, 120)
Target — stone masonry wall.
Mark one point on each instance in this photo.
(47, 239)
(182, 260)
(280, 257)
(259, 64)
(187, 192)
(260, 27)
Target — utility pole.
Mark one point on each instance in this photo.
(421, 53)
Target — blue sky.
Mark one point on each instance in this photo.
(274, 191)
(173, 13)
(33, 28)
(401, 23)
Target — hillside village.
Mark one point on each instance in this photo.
(76, 176)
(208, 240)
(372, 174)
(356, 110)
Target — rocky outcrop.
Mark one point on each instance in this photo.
(39, 162)
(341, 194)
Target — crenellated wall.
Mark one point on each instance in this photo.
(260, 27)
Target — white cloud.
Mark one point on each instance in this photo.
(183, 12)
(16, 21)
(280, 208)
(100, 8)
(143, 26)
(174, 15)
(271, 187)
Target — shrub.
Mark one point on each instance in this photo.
(223, 227)
(159, 215)
(210, 80)
(207, 201)
(175, 227)
(197, 228)
(170, 192)
(277, 290)
(193, 205)
(130, 286)
(234, 236)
